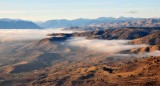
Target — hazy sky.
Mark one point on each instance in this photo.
(40, 10)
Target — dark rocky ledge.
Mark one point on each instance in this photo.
(59, 36)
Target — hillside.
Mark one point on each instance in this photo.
(17, 24)
(143, 72)
(139, 72)
(153, 38)
(52, 61)
(118, 33)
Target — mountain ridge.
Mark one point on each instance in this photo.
(105, 22)
(102, 22)
(17, 24)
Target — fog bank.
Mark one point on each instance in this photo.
(27, 34)
(146, 54)
(105, 46)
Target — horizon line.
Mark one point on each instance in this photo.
(78, 18)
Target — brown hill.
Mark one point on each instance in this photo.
(119, 33)
(142, 72)
(146, 49)
(153, 38)
(44, 44)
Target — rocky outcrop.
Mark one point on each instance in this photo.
(59, 36)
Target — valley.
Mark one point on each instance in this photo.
(123, 56)
(79, 43)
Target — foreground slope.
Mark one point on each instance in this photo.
(139, 72)
(142, 72)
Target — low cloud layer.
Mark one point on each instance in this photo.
(105, 46)
(147, 54)
(27, 34)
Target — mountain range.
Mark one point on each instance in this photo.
(17, 24)
(132, 23)
(82, 22)
(104, 22)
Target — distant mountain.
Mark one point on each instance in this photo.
(17, 24)
(130, 23)
(63, 23)
(104, 22)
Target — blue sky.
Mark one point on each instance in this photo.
(41, 10)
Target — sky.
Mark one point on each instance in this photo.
(42, 10)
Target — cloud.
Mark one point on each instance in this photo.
(104, 46)
(27, 34)
(132, 12)
(155, 53)
(146, 54)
